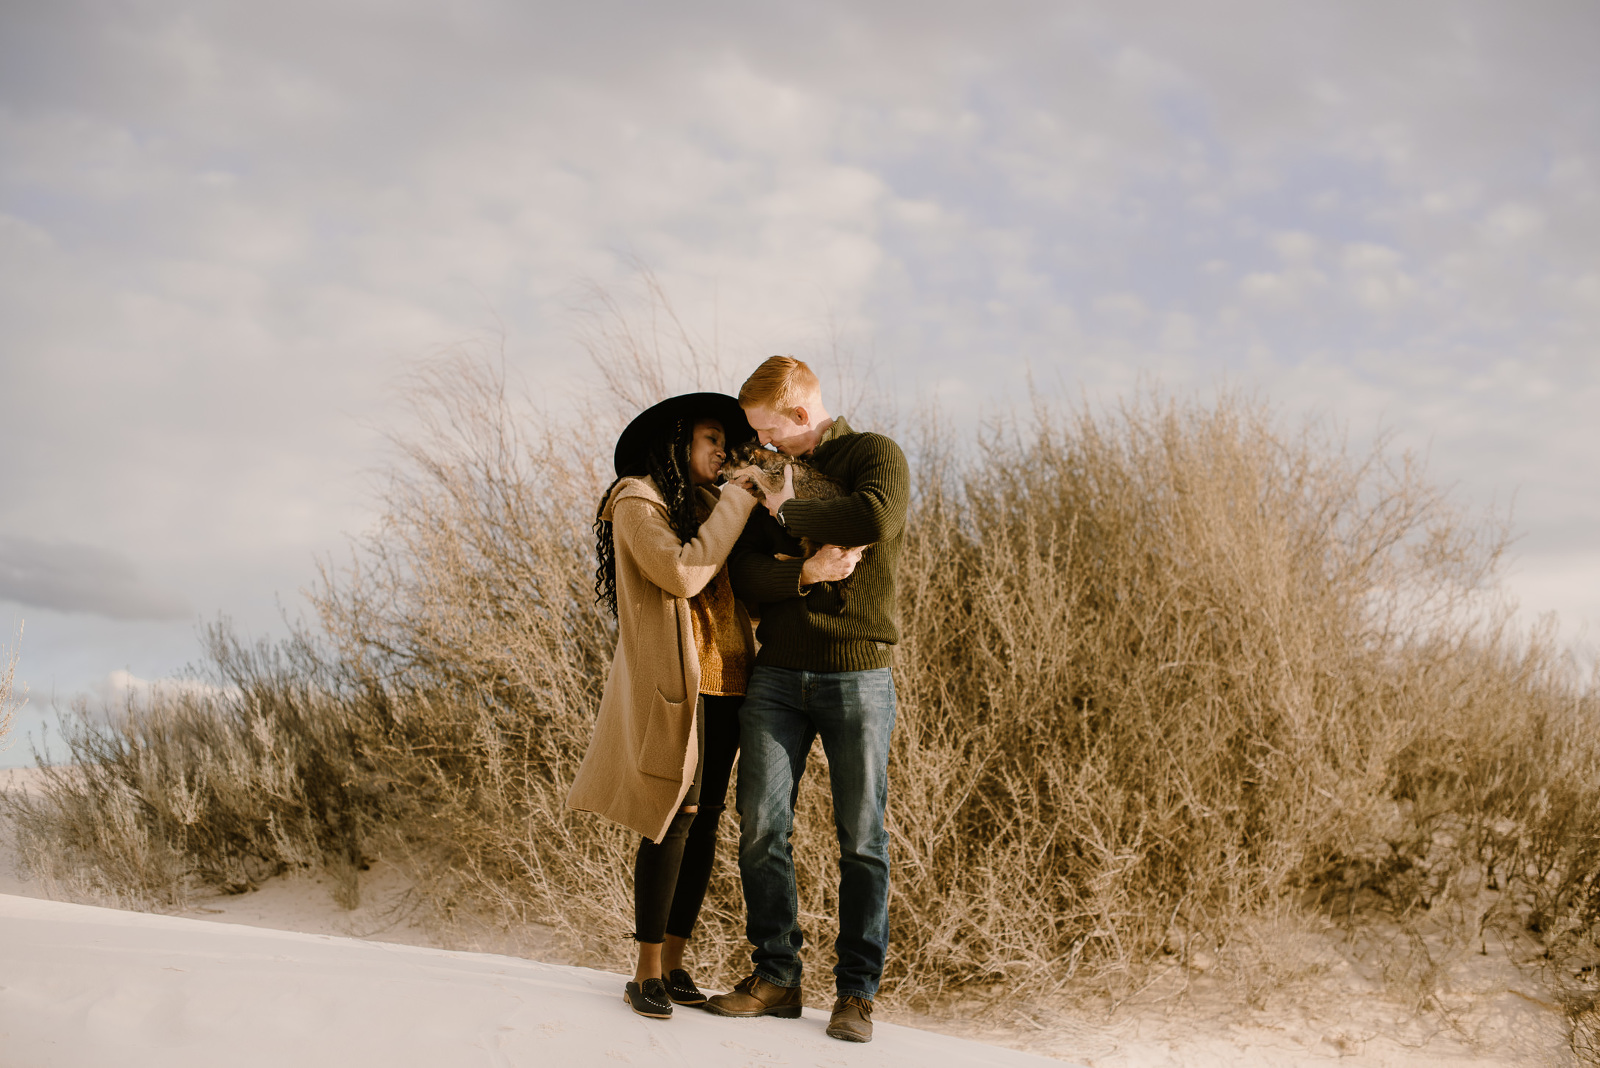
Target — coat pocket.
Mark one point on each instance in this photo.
(665, 749)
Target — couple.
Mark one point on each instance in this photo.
(679, 558)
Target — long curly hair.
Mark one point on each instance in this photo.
(666, 461)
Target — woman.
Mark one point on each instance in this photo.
(668, 728)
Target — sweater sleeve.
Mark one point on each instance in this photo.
(874, 510)
(756, 573)
(681, 568)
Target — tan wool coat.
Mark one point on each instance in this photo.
(641, 760)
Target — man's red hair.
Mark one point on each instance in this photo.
(781, 383)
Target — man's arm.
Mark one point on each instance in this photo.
(873, 511)
(757, 575)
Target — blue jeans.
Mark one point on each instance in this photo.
(783, 711)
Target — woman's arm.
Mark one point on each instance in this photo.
(681, 568)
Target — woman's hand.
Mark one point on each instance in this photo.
(742, 486)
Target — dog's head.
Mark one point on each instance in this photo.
(751, 462)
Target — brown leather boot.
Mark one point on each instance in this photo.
(754, 996)
(852, 1019)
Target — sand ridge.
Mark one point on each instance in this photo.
(66, 963)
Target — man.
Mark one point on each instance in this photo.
(820, 671)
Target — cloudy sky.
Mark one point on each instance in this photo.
(225, 230)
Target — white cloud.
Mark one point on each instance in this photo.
(121, 689)
(1126, 308)
(1374, 277)
(1452, 199)
(1265, 285)
(1513, 222)
(1295, 246)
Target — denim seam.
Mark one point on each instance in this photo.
(769, 979)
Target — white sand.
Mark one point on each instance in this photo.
(91, 986)
(277, 981)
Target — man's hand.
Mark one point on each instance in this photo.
(775, 500)
(829, 564)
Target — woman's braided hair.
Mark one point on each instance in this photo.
(666, 461)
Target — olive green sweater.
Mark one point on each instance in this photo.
(803, 629)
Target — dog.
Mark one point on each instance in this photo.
(763, 470)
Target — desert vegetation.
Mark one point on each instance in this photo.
(1165, 670)
(8, 679)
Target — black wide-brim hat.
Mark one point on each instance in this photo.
(648, 425)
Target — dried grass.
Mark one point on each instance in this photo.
(1166, 672)
(218, 785)
(8, 679)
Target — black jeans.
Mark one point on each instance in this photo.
(670, 878)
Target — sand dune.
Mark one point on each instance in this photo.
(93, 986)
(274, 978)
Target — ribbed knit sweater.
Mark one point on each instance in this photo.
(802, 629)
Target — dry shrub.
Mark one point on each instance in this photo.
(467, 619)
(8, 678)
(217, 783)
(1163, 670)
(1166, 669)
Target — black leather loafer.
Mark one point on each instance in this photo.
(648, 999)
(681, 988)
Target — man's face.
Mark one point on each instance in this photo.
(791, 437)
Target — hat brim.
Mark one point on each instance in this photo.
(634, 442)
